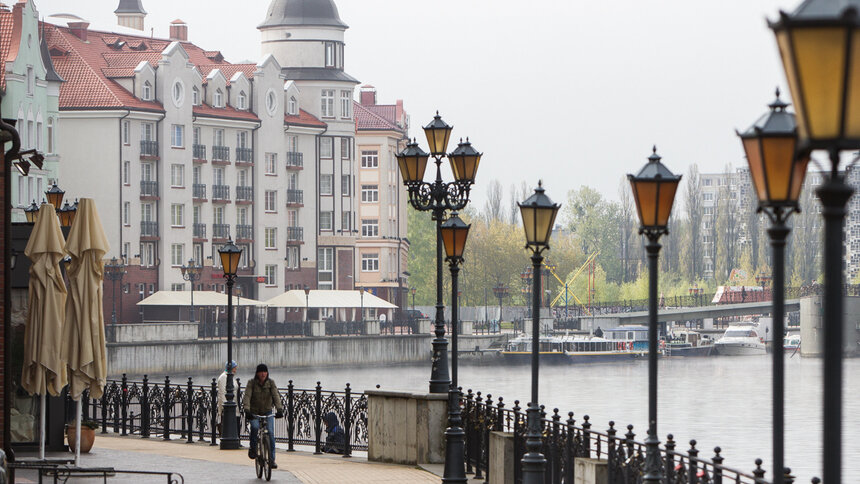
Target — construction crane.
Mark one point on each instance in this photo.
(566, 293)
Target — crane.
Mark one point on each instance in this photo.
(566, 293)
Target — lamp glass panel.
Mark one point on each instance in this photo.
(778, 158)
(465, 167)
(448, 236)
(820, 56)
(645, 194)
(752, 147)
(438, 140)
(545, 223)
(666, 198)
(65, 218)
(55, 198)
(72, 214)
(784, 43)
(852, 95)
(31, 216)
(230, 261)
(799, 168)
(527, 213)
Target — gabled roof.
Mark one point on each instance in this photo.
(6, 27)
(51, 74)
(368, 120)
(304, 118)
(206, 111)
(229, 70)
(130, 6)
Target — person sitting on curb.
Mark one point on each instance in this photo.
(261, 394)
(335, 438)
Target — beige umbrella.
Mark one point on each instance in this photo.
(44, 370)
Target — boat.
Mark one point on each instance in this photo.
(519, 350)
(689, 343)
(741, 340)
(792, 342)
(592, 349)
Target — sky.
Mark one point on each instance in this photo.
(570, 92)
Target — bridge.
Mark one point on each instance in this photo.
(687, 314)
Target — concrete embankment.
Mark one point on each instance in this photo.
(175, 357)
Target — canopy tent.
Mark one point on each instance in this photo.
(201, 298)
(328, 299)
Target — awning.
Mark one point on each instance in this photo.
(328, 299)
(201, 298)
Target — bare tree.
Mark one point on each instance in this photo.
(514, 214)
(493, 209)
(727, 228)
(625, 218)
(694, 211)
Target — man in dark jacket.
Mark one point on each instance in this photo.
(261, 394)
(335, 438)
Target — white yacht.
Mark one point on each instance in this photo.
(741, 340)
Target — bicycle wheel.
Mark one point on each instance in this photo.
(267, 449)
(258, 464)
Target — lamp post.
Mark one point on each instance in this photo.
(816, 43)
(777, 174)
(191, 272)
(538, 216)
(115, 271)
(439, 197)
(454, 234)
(500, 290)
(230, 256)
(654, 190)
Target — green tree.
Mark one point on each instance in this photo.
(595, 222)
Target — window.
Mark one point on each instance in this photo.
(325, 271)
(241, 139)
(369, 262)
(708, 210)
(217, 99)
(126, 208)
(147, 255)
(195, 133)
(271, 163)
(326, 182)
(271, 102)
(39, 135)
(292, 257)
(345, 186)
(146, 212)
(218, 137)
(345, 221)
(271, 275)
(242, 216)
(370, 193)
(177, 136)
(243, 100)
(292, 218)
(177, 215)
(344, 148)
(346, 104)
(707, 182)
(196, 174)
(293, 181)
(147, 91)
(218, 175)
(31, 81)
(195, 96)
(146, 131)
(327, 103)
(178, 93)
(271, 201)
(242, 178)
(126, 128)
(292, 106)
(292, 143)
(146, 171)
(218, 215)
(370, 228)
(195, 214)
(707, 197)
(326, 147)
(126, 250)
(177, 287)
(326, 220)
(30, 136)
(271, 238)
(177, 254)
(329, 54)
(51, 135)
(369, 159)
(126, 172)
(177, 175)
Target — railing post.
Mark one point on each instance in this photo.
(124, 402)
(485, 437)
(165, 413)
(291, 416)
(758, 472)
(788, 479)
(317, 419)
(479, 436)
(693, 468)
(669, 462)
(144, 408)
(499, 426)
(555, 463)
(213, 411)
(518, 429)
(610, 451)
(117, 403)
(570, 448)
(586, 437)
(630, 437)
(347, 422)
(718, 466)
(85, 405)
(189, 410)
(468, 424)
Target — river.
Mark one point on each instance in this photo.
(719, 401)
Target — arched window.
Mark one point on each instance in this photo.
(50, 135)
(243, 100)
(271, 102)
(147, 91)
(216, 101)
(178, 93)
(195, 96)
(293, 106)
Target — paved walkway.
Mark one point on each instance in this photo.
(205, 464)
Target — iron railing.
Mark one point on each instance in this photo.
(149, 229)
(221, 153)
(220, 192)
(199, 191)
(148, 147)
(244, 155)
(295, 234)
(199, 231)
(244, 232)
(220, 231)
(189, 412)
(294, 160)
(245, 194)
(295, 197)
(199, 152)
(148, 188)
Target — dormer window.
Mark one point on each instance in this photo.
(147, 91)
(329, 54)
(243, 100)
(293, 106)
(216, 102)
(195, 96)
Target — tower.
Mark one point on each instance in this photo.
(130, 13)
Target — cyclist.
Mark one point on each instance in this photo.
(261, 394)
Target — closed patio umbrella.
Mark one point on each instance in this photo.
(44, 370)
(84, 334)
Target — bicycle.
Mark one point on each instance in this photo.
(264, 448)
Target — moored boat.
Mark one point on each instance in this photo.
(689, 343)
(519, 349)
(741, 340)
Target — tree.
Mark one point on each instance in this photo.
(693, 253)
(493, 209)
(595, 222)
(726, 228)
(625, 219)
(805, 240)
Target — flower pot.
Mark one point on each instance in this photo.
(88, 437)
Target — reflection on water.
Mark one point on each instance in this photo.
(721, 401)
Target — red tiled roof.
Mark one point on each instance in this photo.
(207, 111)
(118, 72)
(6, 26)
(304, 118)
(365, 119)
(229, 70)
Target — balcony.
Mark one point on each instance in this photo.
(244, 194)
(199, 192)
(245, 156)
(244, 233)
(220, 193)
(200, 153)
(148, 190)
(199, 231)
(295, 198)
(220, 231)
(220, 155)
(149, 229)
(294, 161)
(149, 149)
(295, 235)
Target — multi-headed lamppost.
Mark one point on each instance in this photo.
(439, 197)
(654, 190)
(191, 273)
(454, 234)
(777, 174)
(114, 271)
(818, 45)
(230, 256)
(538, 214)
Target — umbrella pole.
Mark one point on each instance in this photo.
(78, 434)
(42, 427)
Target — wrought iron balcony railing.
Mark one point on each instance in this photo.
(199, 152)
(199, 190)
(220, 231)
(294, 160)
(221, 192)
(244, 155)
(148, 148)
(221, 153)
(148, 188)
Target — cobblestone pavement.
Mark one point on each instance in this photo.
(205, 464)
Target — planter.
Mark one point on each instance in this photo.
(88, 437)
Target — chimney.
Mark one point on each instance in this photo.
(179, 31)
(79, 29)
(368, 95)
(398, 113)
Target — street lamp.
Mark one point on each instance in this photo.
(192, 272)
(32, 212)
(439, 197)
(55, 196)
(538, 215)
(777, 174)
(114, 271)
(500, 290)
(454, 233)
(654, 190)
(230, 256)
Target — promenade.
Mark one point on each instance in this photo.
(205, 464)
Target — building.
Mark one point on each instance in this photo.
(32, 88)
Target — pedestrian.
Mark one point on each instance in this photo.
(335, 438)
(222, 388)
(261, 394)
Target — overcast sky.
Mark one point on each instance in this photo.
(572, 92)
